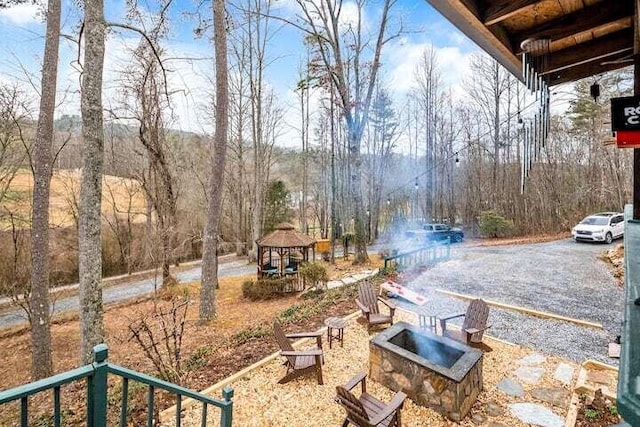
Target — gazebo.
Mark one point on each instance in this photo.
(281, 251)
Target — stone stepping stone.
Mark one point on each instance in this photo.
(537, 415)
(532, 359)
(511, 387)
(348, 280)
(555, 396)
(564, 373)
(529, 375)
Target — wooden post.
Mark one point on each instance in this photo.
(636, 92)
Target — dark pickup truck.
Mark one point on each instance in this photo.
(442, 232)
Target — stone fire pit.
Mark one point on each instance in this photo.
(434, 371)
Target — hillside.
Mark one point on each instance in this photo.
(119, 197)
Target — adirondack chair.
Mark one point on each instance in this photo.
(366, 410)
(473, 327)
(299, 362)
(368, 302)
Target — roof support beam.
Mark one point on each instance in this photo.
(620, 42)
(586, 70)
(577, 22)
(503, 9)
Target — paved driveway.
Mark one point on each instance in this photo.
(16, 316)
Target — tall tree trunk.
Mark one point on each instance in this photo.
(41, 365)
(209, 257)
(89, 235)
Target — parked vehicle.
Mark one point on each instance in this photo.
(600, 227)
(442, 232)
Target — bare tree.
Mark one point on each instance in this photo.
(342, 48)
(210, 238)
(42, 169)
(90, 230)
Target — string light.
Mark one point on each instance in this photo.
(466, 146)
(457, 158)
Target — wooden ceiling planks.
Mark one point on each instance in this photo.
(574, 28)
(539, 13)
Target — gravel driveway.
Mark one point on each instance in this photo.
(560, 277)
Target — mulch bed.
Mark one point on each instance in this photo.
(237, 338)
(259, 401)
(597, 412)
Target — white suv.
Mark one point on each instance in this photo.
(600, 227)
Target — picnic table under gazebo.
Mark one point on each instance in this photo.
(281, 252)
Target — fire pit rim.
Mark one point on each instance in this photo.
(457, 371)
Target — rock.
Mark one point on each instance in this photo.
(529, 375)
(495, 424)
(402, 381)
(564, 373)
(532, 359)
(478, 419)
(555, 396)
(511, 387)
(494, 410)
(538, 415)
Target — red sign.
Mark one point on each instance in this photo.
(628, 139)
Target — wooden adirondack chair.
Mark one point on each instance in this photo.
(368, 302)
(299, 362)
(473, 327)
(366, 410)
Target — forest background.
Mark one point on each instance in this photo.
(343, 153)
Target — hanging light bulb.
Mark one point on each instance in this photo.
(416, 184)
(457, 159)
(388, 201)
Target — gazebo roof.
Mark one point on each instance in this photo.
(286, 236)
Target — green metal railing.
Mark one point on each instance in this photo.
(629, 377)
(426, 255)
(96, 376)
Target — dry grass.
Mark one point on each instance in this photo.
(260, 401)
(126, 194)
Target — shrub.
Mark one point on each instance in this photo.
(315, 273)
(263, 289)
(494, 225)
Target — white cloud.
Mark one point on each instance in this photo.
(21, 14)
(349, 16)
(403, 57)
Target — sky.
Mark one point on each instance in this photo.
(22, 44)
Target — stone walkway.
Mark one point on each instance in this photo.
(528, 375)
(351, 278)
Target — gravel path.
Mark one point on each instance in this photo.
(560, 277)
